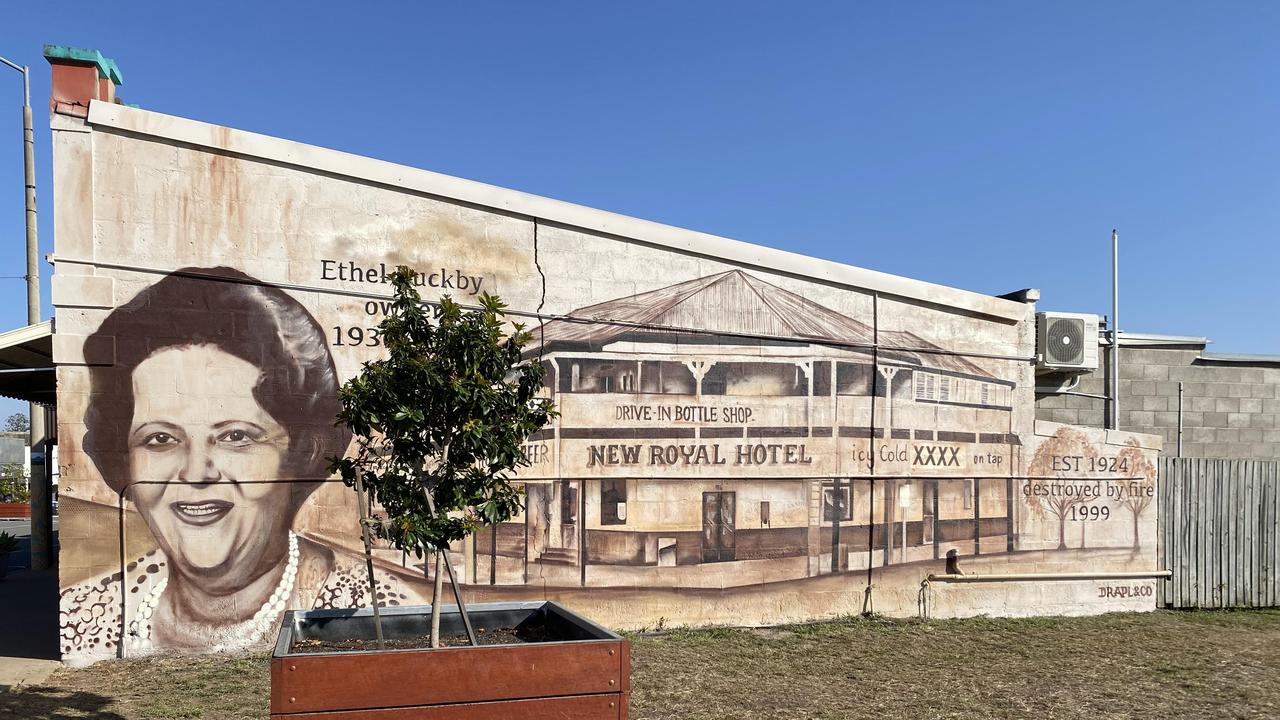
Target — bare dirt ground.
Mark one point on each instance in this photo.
(1153, 665)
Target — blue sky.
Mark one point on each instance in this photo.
(990, 146)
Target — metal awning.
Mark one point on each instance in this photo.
(26, 364)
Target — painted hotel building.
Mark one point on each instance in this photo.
(779, 393)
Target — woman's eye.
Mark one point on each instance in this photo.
(159, 439)
(237, 437)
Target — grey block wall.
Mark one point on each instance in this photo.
(1230, 409)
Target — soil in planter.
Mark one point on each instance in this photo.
(495, 636)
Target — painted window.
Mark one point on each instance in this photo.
(665, 377)
(822, 378)
(756, 379)
(928, 518)
(568, 503)
(613, 502)
(925, 387)
(598, 375)
(829, 504)
(853, 379)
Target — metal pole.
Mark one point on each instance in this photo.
(41, 507)
(42, 514)
(121, 650)
(29, 172)
(1115, 330)
(1036, 577)
(1179, 419)
(41, 494)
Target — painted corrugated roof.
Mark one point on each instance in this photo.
(735, 303)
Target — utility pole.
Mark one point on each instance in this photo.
(41, 495)
(1115, 331)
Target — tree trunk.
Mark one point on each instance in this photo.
(435, 600)
(361, 500)
(1135, 528)
(1062, 531)
(453, 581)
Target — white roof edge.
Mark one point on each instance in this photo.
(26, 333)
(1239, 358)
(289, 152)
(1152, 340)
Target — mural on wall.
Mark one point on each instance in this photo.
(716, 433)
(739, 442)
(1072, 483)
(215, 421)
(730, 377)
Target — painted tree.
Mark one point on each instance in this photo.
(440, 424)
(1139, 492)
(1052, 490)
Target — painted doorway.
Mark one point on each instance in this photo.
(553, 522)
(719, 527)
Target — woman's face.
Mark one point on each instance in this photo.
(204, 456)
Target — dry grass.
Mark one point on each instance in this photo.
(211, 687)
(1164, 664)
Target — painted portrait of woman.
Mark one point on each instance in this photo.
(216, 421)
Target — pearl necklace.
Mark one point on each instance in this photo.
(229, 637)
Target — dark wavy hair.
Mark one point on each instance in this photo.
(226, 309)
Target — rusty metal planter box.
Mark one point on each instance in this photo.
(585, 675)
(15, 510)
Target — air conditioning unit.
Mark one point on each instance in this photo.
(1066, 342)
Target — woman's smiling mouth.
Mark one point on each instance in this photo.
(204, 512)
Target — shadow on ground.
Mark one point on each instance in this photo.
(48, 703)
(29, 623)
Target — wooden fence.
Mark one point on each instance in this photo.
(1219, 532)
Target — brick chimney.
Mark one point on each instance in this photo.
(80, 75)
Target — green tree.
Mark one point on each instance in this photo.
(13, 484)
(440, 424)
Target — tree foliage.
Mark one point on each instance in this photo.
(447, 410)
(1140, 492)
(17, 422)
(13, 484)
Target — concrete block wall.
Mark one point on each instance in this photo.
(1230, 409)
